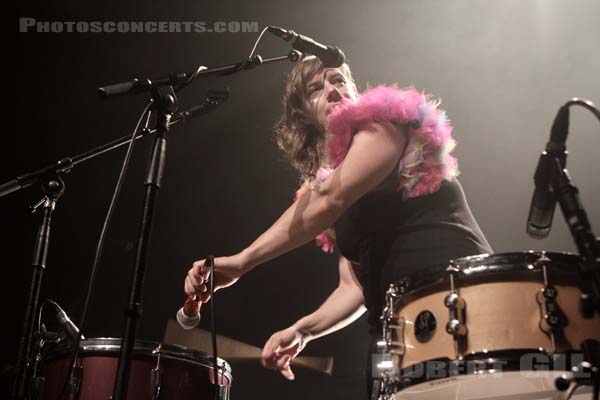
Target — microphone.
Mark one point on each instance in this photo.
(543, 201)
(68, 327)
(50, 337)
(330, 56)
(188, 316)
(214, 98)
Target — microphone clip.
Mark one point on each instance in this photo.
(287, 35)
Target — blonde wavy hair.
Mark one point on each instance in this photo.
(296, 134)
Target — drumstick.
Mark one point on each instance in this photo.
(199, 339)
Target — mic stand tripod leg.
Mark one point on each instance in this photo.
(53, 188)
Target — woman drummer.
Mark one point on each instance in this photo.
(379, 183)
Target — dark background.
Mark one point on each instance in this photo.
(501, 68)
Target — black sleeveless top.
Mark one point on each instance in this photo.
(388, 237)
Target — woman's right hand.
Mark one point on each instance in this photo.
(227, 271)
(281, 348)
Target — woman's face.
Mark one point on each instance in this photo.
(325, 90)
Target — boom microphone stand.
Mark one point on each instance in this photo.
(53, 188)
(552, 174)
(163, 94)
(587, 373)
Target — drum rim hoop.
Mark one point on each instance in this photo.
(510, 356)
(437, 274)
(111, 345)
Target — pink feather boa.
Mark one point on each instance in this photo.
(426, 162)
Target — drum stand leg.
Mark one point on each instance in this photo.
(591, 352)
(586, 373)
(375, 389)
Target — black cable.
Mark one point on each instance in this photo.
(257, 41)
(191, 78)
(39, 322)
(585, 104)
(100, 247)
(240, 67)
(213, 325)
(251, 58)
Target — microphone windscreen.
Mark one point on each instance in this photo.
(187, 322)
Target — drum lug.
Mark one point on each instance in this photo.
(392, 344)
(156, 375)
(456, 325)
(456, 315)
(393, 340)
(388, 380)
(388, 387)
(222, 390)
(552, 319)
(75, 383)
